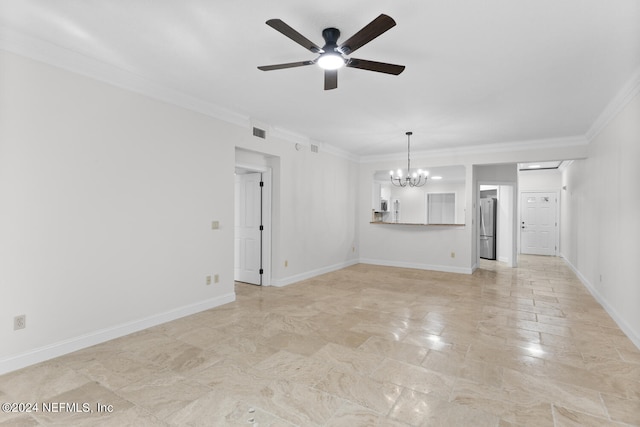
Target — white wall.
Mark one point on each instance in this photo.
(414, 246)
(496, 173)
(314, 208)
(107, 202)
(506, 202)
(317, 213)
(600, 210)
(540, 180)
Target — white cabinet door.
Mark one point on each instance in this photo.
(538, 223)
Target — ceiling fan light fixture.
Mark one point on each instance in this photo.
(332, 55)
(331, 61)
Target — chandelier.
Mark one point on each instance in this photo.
(412, 178)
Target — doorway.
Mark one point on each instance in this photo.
(252, 225)
(497, 222)
(538, 223)
(488, 222)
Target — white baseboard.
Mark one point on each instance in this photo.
(444, 268)
(313, 273)
(633, 335)
(31, 357)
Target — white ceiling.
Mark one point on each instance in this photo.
(477, 72)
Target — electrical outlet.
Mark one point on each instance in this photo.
(215, 225)
(20, 322)
(208, 280)
(216, 279)
(286, 263)
(453, 254)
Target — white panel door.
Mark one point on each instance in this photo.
(538, 223)
(248, 242)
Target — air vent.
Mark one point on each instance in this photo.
(314, 148)
(260, 133)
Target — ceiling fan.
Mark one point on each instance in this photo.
(332, 55)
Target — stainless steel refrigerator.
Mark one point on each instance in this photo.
(488, 214)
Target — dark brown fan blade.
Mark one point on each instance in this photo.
(380, 67)
(287, 65)
(279, 25)
(372, 30)
(330, 79)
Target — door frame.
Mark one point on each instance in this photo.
(514, 209)
(557, 219)
(267, 178)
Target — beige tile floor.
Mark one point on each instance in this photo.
(363, 346)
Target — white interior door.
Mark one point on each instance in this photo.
(538, 223)
(248, 242)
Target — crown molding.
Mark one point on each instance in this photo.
(629, 91)
(79, 63)
(289, 136)
(338, 152)
(501, 147)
